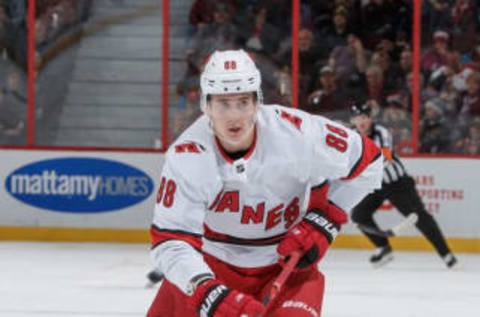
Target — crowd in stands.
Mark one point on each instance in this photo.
(450, 64)
(54, 18)
(356, 51)
(366, 58)
(57, 17)
(349, 51)
(12, 70)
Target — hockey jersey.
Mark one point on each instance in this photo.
(239, 210)
(393, 168)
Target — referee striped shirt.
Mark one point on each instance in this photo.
(392, 169)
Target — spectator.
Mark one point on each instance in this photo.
(464, 25)
(336, 35)
(440, 79)
(405, 62)
(284, 86)
(13, 92)
(394, 115)
(348, 60)
(321, 14)
(308, 53)
(202, 12)
(472, 58)
(378, 16)
(262, 36)
(375, 84)
(188, 109)
(220, 34)
(276, 82)
(473, 147)
(403, 17)
(470, 144)
(438, 14)
(433, 131)
(330, 100)
(279, 15)
(10, 124)
(4, 26)
(392, 75)
(17, 11)
(400, 44)
(439, 55)
(445, 91)
(470, 103)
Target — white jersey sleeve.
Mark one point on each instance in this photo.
(179, 214)
(348, 193)
(352, 164)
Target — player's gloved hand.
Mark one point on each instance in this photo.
(214, 299)
(313, 235)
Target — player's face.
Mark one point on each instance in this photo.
(362, 123)
(233, 118)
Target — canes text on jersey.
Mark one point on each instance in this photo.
(229, 201)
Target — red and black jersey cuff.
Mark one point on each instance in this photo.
(318, 196)
(319, 200)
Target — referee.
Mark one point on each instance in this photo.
(399, 188)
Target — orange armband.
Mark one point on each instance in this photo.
(387, 153)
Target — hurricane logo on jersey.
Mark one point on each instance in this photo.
(79, 185)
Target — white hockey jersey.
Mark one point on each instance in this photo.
(242, 209)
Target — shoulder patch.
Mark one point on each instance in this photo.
(189, 147)
(293, 119)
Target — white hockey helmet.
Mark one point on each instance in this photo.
(230, 72)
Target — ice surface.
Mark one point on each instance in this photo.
(89, 280)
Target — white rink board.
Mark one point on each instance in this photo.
(17, 213)
(449, 188)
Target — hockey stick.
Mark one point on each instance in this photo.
(406, 223)
(277, 285)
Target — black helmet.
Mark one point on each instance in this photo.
(357, 109)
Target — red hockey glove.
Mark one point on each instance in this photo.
(313, 235)
(213, 299)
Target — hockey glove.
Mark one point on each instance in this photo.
(312, 236)
(214, 299)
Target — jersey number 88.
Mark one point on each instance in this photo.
(166, 192)
(336, 139)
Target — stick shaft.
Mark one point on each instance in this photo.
(406, 223)
(281, 279)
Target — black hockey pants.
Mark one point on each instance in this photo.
(404, 196)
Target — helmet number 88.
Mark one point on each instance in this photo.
(230, 65)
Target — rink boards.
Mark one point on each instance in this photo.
(109, 196)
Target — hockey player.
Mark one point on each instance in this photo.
(245, 186)
(399, 188)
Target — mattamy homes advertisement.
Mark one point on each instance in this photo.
(78, 189)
